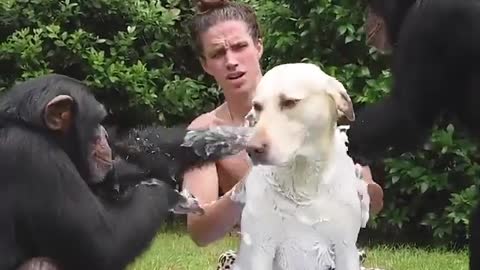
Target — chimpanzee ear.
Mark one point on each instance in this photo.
(58, 113)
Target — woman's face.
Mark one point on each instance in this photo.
(231, 56)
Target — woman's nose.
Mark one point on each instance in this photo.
(231, 60)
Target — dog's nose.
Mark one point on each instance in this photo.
(257, 150)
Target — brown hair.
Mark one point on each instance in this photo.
(211, 12)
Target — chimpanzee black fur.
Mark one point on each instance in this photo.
(435, 56)
(161, 149)
(48, 207)
(436, 51)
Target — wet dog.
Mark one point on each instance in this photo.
(304, 201)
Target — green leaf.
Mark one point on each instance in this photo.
(131, 29)
(348, 39)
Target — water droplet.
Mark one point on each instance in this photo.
(247, 239)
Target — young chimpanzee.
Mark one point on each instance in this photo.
(436, 51)
(54, 151)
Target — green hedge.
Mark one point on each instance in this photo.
(136, 56)
(134, 53)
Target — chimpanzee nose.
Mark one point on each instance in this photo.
(257, 150)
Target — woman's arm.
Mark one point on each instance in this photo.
(221, 214)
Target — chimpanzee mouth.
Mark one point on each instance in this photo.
(235, 76)
(103, 160)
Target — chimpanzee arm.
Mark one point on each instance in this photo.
(383, 125)
(422, 83)
(168, 152)
(65, 220)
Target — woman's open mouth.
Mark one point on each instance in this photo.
(235, 76)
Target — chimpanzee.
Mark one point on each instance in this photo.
(436, 51)
(54, 152)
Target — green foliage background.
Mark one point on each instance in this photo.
(135, 55)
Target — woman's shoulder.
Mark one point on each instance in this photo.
(209, 119)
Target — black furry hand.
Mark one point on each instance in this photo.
(217, 141)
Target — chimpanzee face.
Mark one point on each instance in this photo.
(377, 35)
(100, 158)
(59, 116)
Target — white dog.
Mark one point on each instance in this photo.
(302, 205)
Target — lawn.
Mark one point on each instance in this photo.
(173, 250)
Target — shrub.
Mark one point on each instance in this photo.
(134, 53)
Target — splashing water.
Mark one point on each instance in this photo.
(246, 238)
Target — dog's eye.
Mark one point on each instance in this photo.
(288, 103)
(257, 107)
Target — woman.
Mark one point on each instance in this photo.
(227, 39)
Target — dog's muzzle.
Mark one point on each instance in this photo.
(257, 152)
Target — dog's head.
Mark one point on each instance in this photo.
(295, 110)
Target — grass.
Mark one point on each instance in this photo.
(173, 250)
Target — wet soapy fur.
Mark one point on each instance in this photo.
(304, 215)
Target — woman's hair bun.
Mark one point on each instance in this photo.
(207, 5)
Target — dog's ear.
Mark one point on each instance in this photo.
(339, 94)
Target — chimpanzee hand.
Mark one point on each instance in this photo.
(120, 181)
(217, 141)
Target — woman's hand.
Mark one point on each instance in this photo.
(375, 191)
